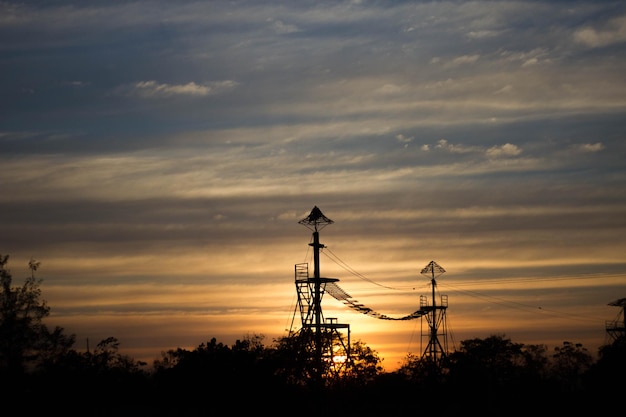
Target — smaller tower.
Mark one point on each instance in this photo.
(435, 316)
(615, 328)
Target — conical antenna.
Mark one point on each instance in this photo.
(432, 270)
(316, 220)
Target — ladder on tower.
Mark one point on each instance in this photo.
(305, 293)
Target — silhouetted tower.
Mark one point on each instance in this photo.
(435, 316)
(322, 344)
(615, 328)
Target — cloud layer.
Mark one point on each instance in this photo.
(157, 157)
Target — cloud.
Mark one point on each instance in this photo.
(455, 148)
(497, 151)
(613, 32)
(462, 60)
(591, 147)
(481, 34)
(504, 90)
(503, 150)
(77, 83)
(151, 89)
(390, 89)
(527, 58)
(281, 28)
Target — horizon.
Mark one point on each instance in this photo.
(401, 338)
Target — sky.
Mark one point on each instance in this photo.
(157, 157)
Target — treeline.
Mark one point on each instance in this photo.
(42, 373)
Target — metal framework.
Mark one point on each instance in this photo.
(320, 338)
(321, 343)
(435, 315)
(615, 329)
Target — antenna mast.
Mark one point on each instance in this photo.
(321, 341)
(435, 316)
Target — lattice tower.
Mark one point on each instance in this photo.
(321, 343)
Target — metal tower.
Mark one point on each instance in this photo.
(615, 329)
(436, 317)
(322, 345)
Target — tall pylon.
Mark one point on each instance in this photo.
(435, 315)
(322, 344)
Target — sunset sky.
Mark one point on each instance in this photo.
(158, 155)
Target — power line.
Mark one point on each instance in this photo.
(494, 300)
(520, 306)
(348, 268)
(524, 280)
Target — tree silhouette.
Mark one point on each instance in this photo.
(493, 375)
(25, 342)
(494, 372)
(570, 363)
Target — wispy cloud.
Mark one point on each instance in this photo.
(459, 61)
(455, 148)
(503, 150)
(282, 28)
(611, 32)
(591, 147)
(153, 90)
